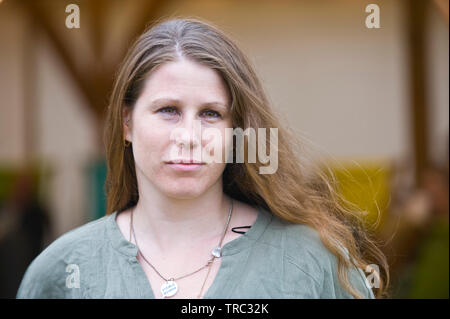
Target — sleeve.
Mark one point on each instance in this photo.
(38, 281)
(49, 276)
(356, 277)
(315, 268)
(359, 281)
(302, 281)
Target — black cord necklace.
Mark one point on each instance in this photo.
(239, 232)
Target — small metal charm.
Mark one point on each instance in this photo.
(169, 288)
(217, 252)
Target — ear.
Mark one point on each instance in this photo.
(126, 120)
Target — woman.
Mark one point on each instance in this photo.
(180, 226)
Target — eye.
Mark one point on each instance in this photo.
(211, 113)
(168, 110)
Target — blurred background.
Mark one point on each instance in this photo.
(376, 100)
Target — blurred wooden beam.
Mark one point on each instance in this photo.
(152, 10)
(97, 19)
(96, 80)
(38, 12)
(442, 6)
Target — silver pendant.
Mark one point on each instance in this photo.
(169, 288)
(217, 252)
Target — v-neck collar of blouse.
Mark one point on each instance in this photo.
(121, 244)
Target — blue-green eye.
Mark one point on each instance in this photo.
(210, 113)
(168, 110)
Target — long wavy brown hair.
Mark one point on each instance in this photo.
(301, 191)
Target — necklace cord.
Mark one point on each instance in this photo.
(132, 232)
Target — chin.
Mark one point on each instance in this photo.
(182, 190)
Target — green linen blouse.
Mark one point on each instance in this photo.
(273, 259)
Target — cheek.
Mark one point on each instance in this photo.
(149, 143)
(216, 170)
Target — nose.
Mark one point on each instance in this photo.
(189, 132)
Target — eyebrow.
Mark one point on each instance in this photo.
(176, 101)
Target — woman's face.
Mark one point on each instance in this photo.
(177, 97)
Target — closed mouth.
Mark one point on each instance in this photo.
(185, 162)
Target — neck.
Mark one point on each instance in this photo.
(167, 224)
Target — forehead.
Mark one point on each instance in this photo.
(187, 81)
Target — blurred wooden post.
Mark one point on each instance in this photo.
(29, 96)
(416, 20)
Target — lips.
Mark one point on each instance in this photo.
(185, 166)
(185, 162)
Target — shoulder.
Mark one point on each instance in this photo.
(46, 276)
(305, 254)
(299, 242)
(77, 240)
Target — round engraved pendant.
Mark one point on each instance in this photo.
(217, 252)
(169, 288)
